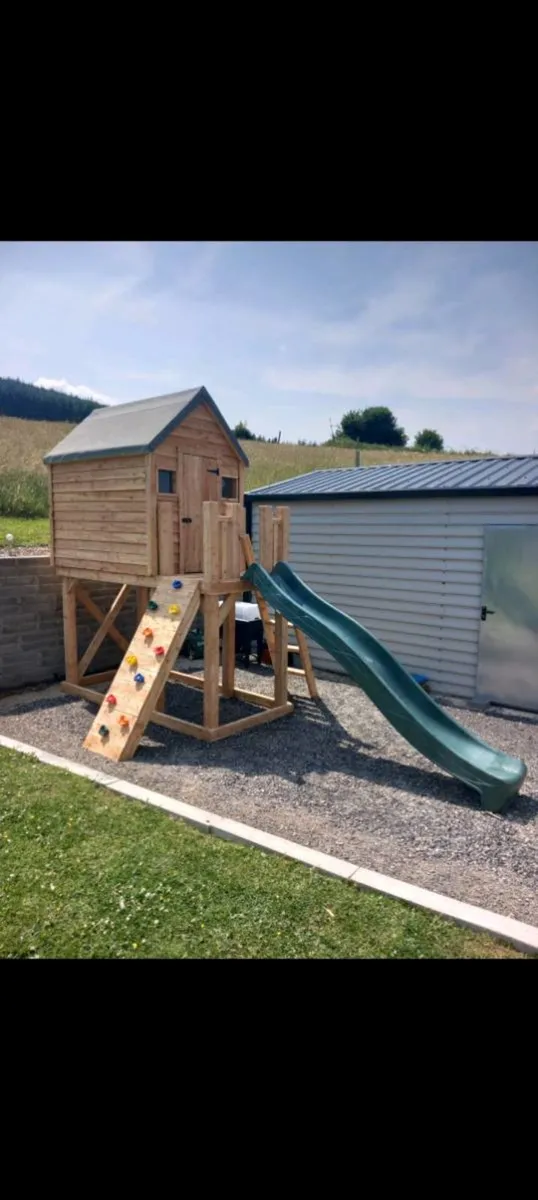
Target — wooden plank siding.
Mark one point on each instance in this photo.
(410, 570)
(100, 516)
(109, 520)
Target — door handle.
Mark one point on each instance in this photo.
(188, 521)
(486, 612)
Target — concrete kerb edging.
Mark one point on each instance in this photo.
(523, 937)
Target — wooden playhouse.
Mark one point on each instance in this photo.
(149, 495)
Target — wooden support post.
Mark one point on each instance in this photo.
(69, 596)
(228, 651)
(211, 534)
(142, 597)
(280, 660)
(265, 537)
(282, 535)
(211, 657)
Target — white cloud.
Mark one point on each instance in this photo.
(74, 389)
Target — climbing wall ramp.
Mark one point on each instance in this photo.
(140, 678)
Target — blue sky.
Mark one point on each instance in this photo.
(287, 335)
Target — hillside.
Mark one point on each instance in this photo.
(25, 400)
(23, 444)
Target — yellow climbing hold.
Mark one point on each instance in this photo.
(174, 609)
(132, 660)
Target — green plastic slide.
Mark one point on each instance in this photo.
(427, 726)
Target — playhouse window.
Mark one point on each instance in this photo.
(229, 488)
(167, 482)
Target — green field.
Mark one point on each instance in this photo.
(88, 874)
(23, 477)
(27, 531)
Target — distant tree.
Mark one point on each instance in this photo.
(429, 439)
(18, 399)
(242, 431)
(377, 425)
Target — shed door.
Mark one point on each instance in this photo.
(508, 647)
(200, 481)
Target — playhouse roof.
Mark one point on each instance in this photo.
(135, 428)
(515, 475)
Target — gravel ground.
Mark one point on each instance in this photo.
(334, 776)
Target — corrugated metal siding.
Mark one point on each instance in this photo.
(410, 570)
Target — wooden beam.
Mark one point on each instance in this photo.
(98, 677)
(224, 608)
(105, 627)
(100, 616)
(151, 514)
(83, 693)
(246, 723)
(265, 536)
(307, 663)
(69, 599)
(254, 698)
(178, 726)
(211, 657)
(142, 597)
(211, 541)
(156, 718)
(197, 682)
(282, 534)
(223, 587)
(193, 681)
(280, 661)
(228, 649)
(107, 575)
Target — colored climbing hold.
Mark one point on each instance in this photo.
(132, 660)
(139, 678)
(177, 584)
(152, 605)
(160, 650)
(123, 721)
(104, 731)
(174, 609)
(111, 699)
(147, 632)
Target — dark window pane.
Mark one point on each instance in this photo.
(167, 482)
(229, 488)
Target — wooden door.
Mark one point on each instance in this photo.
(199, 481)
(165, 526)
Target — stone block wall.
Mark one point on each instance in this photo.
(31, 622)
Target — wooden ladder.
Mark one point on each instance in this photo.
(301, 648)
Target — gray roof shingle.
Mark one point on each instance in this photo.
(467, 475)
(135, 428)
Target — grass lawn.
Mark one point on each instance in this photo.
(27, 531)
(88, 874)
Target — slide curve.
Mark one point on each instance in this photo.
(427, 726)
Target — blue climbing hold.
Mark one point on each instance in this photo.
(139, 678)
(177, 584)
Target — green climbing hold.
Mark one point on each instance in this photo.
(104, 731)
(152, 605)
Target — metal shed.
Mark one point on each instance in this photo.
(439, 560)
